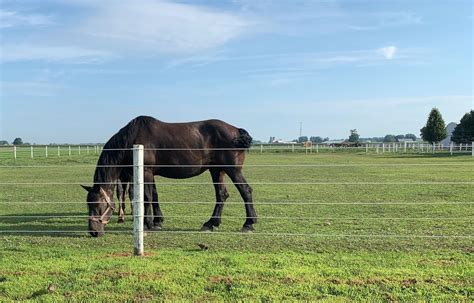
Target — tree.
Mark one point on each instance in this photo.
(435, 128)
(316, 139)
(3, 142)
(17, 141)
(400, 137)
(389, 138)
(354, 137)
(410, 136)
(302, 139)
(464, 131)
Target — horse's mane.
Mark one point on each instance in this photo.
(116, 148)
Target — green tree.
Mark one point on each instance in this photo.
(316, 139)
(302, 139)
(17, 141)
(464, 131)
(410, 136)
(389, 138)
(435, 128)
(354, 137)
(400, 137)
(3, 142)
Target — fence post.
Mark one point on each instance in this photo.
(46, 151)
(292, 148)
(14, 151)
(31, 148)
(383, 147)
(87, 149)
(69, 151)
(434, 146)
(59, 151)
(366, 147)
(472, 149)
(261, 148)
(451, 148)
(138, 200)
(79, 150)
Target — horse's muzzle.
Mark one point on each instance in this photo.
(96, 229)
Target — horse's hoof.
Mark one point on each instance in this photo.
(153, 227)
(247, 229)
(156, 227)
(206, 228)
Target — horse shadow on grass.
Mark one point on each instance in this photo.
(72, 225)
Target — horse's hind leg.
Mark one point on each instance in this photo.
(246, 192)
(221, 196)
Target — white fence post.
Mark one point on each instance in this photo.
(14, 151)
(69, 151)
(87, 149)
(79, 150)
(261, 148)
(31, 148)
(46, 151)
(472, 149)
(451, 148)
(138, 200)
(59, 151)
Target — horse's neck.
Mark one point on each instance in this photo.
(108, 171)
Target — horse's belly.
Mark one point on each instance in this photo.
(180, 172)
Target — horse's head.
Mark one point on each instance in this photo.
(101, 207)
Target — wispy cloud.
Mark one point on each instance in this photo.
(11, 18)
(67, 54)
(162, 26)
(110, 29)
(388, 52)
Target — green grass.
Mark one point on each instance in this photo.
(339, 251)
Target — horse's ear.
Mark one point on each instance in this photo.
(88, 188)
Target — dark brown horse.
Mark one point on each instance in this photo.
(172, 150)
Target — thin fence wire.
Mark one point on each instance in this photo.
(252, 183)
(271, 234)
(257, 217)
(244, 165)
(256, 203)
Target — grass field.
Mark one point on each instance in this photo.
(390, 227)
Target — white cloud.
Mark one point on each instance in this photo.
(10, 18)
(388, 52)
(69, 54)
(162, 26)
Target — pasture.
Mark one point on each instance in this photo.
(332, 226)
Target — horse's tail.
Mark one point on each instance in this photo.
(243, 140)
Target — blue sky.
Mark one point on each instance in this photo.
(77, 70)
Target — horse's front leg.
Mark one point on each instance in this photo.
(246, 192)
(158, 218)
(121, 198)
(153, 219)
(221, 196)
